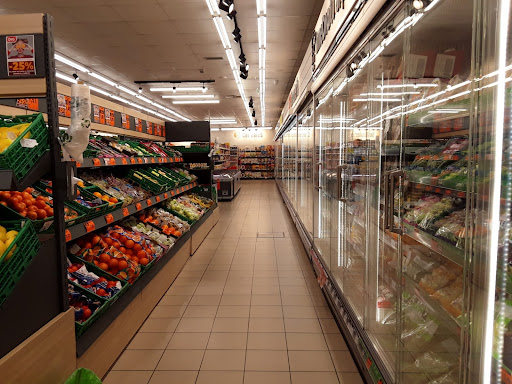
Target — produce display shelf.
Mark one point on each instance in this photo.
(115, 161)
(256, 178)
(452, 157)
(258, 169)
(9, 182)
(434, 306)
(439, 189)
(257, 157)
(79, 230)
(104, 321)
(435, 244)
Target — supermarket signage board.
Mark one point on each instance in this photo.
(333, 15)
(22, 56)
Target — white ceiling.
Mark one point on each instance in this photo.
(130, 40)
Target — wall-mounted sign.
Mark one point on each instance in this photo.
(31, 104)
(21, 56)
(125, 119)
(249, 134)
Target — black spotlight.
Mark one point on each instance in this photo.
(244, 75)
(75, 76)
(253, 113)
(242, 58)
(244, 67)
(231, 15)
(255, 122)
(225, 4)
(140, 89)
(237, 36)
(251, 103)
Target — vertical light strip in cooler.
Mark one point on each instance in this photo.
(504, 11)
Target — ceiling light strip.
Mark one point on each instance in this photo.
(261, 9)
(122, 88)
(221, 30)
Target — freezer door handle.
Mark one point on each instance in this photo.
(339, 172)
(394, 179)
(387, 178)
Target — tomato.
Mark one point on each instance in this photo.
(87, 313)
(32, 215)
(41, 214)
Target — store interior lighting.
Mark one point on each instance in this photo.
(180, 89)
(213, 7)
(118, 87)
(223, 121)
(196, 102)
(188, 96)
(261, 9)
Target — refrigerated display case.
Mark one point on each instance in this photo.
(412, 190)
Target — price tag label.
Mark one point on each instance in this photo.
(89, 226)
(68, 235)
(172, 193)
(171, 160)
(167, 159)
(158, 199)
(182, 189)
(138, 206)
(78, 165)
(160, 159)
(139, 159)
(96, 162)
(132, 160)
(153, 160)
(166, 195)
(149, 202)
(126, 212)
(106, 160)
(146, 160)
(124, 161)
(109, 218)
(112, 161)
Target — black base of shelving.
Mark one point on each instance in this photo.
(35, 300)
(95, 331)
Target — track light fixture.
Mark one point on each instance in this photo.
(242, 58)
(173, 89)
(225, 4)
(232, 13)
(244, 75)
(251, 103)
(420, 4)
(237, 36)
(75, 76)
(140, 89)
(255, 122)
(204, 89)
(253, 113)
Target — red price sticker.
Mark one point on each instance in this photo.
(132, 160)
(153, 160)
(172, 193)
(96, 162)
(109, 218)
(126, 212)
(167, 159)
(124, 161)
(78, 165)
(171, 160)
(68, 235)
(89, 226)
(166, 195)
(140, 160)
(112, 161)
(138, 206)
(160, 159)
(182, 189)
(158, 199)
(148, 202)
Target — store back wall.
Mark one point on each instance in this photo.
(243, 138)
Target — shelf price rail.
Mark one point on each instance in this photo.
(76, 231)
(115, 161)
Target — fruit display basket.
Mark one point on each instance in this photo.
(81, 327)
(17, 256)
(18, 158)
(94, 190)
(151, 184)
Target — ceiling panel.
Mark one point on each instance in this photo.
(168, 40)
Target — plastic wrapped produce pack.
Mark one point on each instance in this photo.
(76, 139)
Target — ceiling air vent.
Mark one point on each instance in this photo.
(214, 58)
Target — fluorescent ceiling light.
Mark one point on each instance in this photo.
(261, 6)
(390, 93)
(188, 96)
(71, 63)
(66, 77)
(103, 78)
(227, 121)
(262, 31)
(127, 90)
(172, 89)
(196, 102)
(99, 90)
(376, 99)
(408, 85)
(448, 110)
(214, 129)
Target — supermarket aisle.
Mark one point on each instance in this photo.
(245, 309)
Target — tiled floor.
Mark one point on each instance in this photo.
(245, 309)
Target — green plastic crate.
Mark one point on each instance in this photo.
(192, 149)
(138, 177)
(25, 246)
(80, 328)
(93, 188)
(17, 158)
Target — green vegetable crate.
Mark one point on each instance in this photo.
(81, 327)
(18, 158)
(24, 248)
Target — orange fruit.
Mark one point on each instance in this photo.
(108, 240)
(135, 259)
(137, 247)
(103, 266)
(122, 249)
(114, 264)
(142, 254)
(95, 240)
(129, 244)
(144, 261)
(113, 200)
(104, 258)
(123, 239)
(97, 194)
(122, 265)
